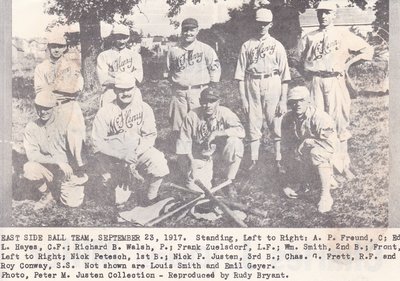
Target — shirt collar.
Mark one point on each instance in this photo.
(190, 46)
(328, 28)
(265, 37)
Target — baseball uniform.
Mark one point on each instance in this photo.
(119, 132)
(113, 61)
(263, 67)
(313, 135)
(324, 53)
(190, 69)
(64, 79)
(194, 135)
(46, 145)
(315, 124)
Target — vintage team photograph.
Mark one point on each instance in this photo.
(200, 113)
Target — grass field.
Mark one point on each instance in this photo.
(360, 203)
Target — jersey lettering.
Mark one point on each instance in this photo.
(321, 49)
(260, 52)
(125, 120)
(120, 65)
(187, 59)
(206, 128)
(52, 75)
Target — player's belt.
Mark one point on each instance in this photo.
(326, 74)
(64, 101)
(184, 88)
(263, 75)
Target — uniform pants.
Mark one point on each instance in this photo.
(228, 155)
(331, 95)
(182, 102)
(150, 164)
(72, 115)
(303, 169)
(263, 96)
(71, 194)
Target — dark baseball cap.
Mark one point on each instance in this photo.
(190, 22)
(209, 94)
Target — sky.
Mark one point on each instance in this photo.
(30, 21)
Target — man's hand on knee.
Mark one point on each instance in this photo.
(35, 171)
(66, 169)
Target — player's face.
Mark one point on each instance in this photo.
(189, 34)
(263, 27)
(325, 17)
(124, 96)
(56, 50)
(44, 113)
(299, 107)
(209, 106)
(120, 41)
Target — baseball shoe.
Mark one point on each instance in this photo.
(45, 201)
(78, 180)
(348, 174)
(279, 168)
(253, 165)
(290, 193)
(326, 202)
(106, 178)
(335, 184)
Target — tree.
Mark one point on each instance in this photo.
(89, 13)
(381, 23)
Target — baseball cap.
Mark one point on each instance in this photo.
(45, 99)
(124, 80)
(327, 5)
(209, 94)
(120, 29)
(298, 93)
(190, 22)
(264, 15)
(56, 38)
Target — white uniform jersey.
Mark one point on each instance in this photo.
(116, 130)
(112, 61)
(196, 64)
(328, 49)
(47, 143)
(262, 56)
(62, 75)
(196, 129)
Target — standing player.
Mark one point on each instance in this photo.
(118, 59)
(48, 151)
(192, 65)
(309, 145)
(62, 77)
(263, 73)
(207, 128)
(325, 55)
(124, 132)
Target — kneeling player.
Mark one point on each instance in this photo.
(309, 141)
(211, 134)
(50, 159)
(124, 132)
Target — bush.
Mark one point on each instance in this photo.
(23, 87)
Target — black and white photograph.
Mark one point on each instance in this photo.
(200, 113)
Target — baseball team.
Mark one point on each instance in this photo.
(309, 126)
